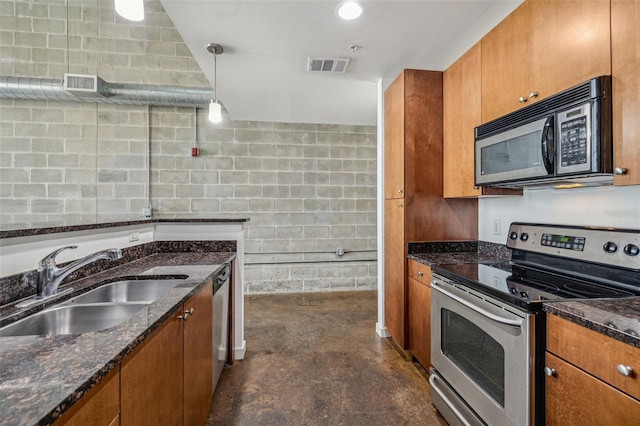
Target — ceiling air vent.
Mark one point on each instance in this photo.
(328, 65)
(84, 85)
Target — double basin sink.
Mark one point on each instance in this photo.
(101, 308)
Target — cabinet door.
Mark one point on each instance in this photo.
(394, 270)
(198, 387)
(394, 139)
(570, 43)
(151, 383)
(573, 397)
(419, 307)
(462, 113)
(98, 407)
(506, 64)
(573, 343)
(625, 57)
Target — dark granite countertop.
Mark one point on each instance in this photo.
(40, 377)
(28, 230)
(453, 252)
(616, 318)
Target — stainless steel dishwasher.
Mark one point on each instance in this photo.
(220, 321)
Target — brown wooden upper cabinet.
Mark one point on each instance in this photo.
(462, 113)
(462, 106)
(541, 48)
(394, 132)
(625, 58)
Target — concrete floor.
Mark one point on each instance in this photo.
(315, 359)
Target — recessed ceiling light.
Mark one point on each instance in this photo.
(349, 10)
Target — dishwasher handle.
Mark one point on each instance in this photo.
(475, 308)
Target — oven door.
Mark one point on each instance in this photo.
(483, 349)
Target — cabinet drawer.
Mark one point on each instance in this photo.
(595, 353)
(420, 272)
(574, 397)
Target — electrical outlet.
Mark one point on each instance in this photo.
(496, 228)
(134, 236)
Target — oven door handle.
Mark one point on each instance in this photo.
(479, 310)
(456, 412)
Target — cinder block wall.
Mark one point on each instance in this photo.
(305, 187)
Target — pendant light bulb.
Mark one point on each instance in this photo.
(215, 112)
(133, 10)
(215, 109)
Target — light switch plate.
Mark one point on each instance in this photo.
(496, 228)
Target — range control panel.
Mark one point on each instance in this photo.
(609, 246)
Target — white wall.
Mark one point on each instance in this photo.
(602, 206)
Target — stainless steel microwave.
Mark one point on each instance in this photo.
(565, 137)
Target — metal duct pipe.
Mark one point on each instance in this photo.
(47, 89)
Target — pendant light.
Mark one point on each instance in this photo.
(215, 109)
(133, 10)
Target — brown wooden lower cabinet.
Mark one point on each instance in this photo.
(419, 300)
(583, 384)
(574, 397)
(98, 407)
(167, 379)
(419, 312)
(151, 383)
(198, 361)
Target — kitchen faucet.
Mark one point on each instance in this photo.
(50, 275)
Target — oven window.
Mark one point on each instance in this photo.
(521, 152)
(476, 353)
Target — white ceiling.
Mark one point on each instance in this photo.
(262, 72)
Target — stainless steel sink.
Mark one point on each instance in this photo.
(72, 319)
(128, 291)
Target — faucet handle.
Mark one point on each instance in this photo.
(50, 259)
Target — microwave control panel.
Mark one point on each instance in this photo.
(573, 143)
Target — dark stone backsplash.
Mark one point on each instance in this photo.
(442, 247)
(499, 251)
(484, 248)
(19, 286)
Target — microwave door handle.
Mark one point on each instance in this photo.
(547, 145)
(473, 307)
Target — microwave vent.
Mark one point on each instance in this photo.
(591, 89)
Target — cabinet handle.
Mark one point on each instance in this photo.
(549, 371)
(533, 94)
(619, 171)
(522, 99)
(185, 314)
(420, 273)
(625, 370)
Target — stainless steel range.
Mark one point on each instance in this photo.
(487, 326)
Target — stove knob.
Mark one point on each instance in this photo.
(513, 235)
(631, 250)
(610, 247)
(524, 236)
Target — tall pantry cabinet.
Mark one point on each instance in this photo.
(414, 209)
